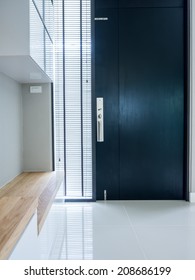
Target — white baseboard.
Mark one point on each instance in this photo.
(192, 197)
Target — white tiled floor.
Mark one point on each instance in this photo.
(123, 230)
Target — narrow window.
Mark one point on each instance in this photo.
(73, 109)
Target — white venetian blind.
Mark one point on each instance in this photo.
(86, 97)
(75, 72)
(73, 114)
(58, 85)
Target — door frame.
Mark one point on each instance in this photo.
(93, 104)
(187, 99)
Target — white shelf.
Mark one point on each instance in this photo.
(23, 69)
(24, 55)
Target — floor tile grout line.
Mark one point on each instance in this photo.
(164, 226)
(136, 236)
(123, 209)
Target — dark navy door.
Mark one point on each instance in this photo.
(139, 71)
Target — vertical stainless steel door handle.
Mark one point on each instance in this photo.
(100, 119)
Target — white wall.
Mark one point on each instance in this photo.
(37, 129)
(11, 136)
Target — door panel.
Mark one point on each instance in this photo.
(106, 82)
(139, 71)
(147, 3)
(151, 103)
(103, 4)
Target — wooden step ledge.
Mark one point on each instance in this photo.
(20, 199)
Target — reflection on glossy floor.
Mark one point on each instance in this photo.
(120, 230)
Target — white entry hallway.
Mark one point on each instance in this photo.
(111, 230)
